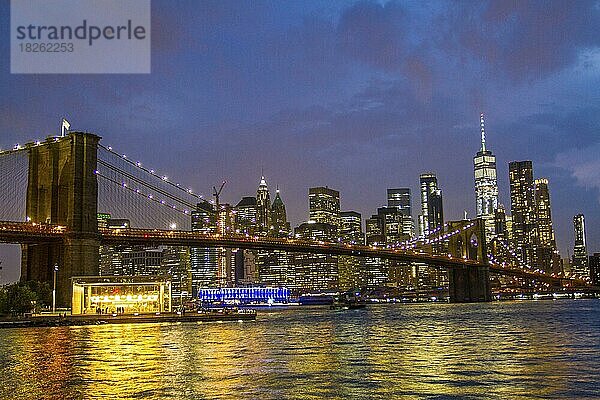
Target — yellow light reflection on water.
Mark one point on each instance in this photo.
(510, 350)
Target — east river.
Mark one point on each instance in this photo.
(510, 350)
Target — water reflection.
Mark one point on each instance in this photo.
(499, 350)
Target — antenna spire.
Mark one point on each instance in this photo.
(482, 125)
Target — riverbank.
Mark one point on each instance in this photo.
(80, 320)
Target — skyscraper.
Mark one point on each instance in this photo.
(351, 231)
(315, 271)
(324, 206)
(432, 210)
(280, 227)
(486, 185)
(400, 199)
(263, 204)
(274, 266)
(579, 264)
(246, 212)
(594, 264)
(522, 200)
(350, 268)
(204, 261)
(545, 253)
(500, 225)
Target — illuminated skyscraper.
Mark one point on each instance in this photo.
(500, 225)
(351, 231)
(204, 261)
(176, 263)
(594, 264)
(280, 227)
(486, 185)
(400, 199)
(579, 264)
(432, 210)
(315, 271)
(274, 266)
(545, 253)
(522, 199)
(324, 206)
(350, 268)
(246, 215)
(263, 204)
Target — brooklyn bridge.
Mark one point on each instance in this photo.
(51, 192)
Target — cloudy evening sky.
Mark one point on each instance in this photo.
(360, 96)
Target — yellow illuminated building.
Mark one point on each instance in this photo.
(120, 294)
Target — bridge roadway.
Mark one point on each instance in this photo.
(26, 232)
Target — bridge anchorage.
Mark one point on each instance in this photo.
(60, 222)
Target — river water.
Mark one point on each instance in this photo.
(509, 350)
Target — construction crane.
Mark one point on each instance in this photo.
(217, 194)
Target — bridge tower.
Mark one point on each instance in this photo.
(63, 190)
(469, 283)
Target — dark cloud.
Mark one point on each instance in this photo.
(523, 40)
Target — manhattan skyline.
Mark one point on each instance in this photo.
(313, 98)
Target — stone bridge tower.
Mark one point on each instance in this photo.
(469, 283)
(63, 190)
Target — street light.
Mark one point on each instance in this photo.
(54, 289)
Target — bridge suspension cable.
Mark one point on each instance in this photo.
(188, 191)
(128, 190)
(14, 167)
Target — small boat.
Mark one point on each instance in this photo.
(348, 301)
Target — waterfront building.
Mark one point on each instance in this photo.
(486, 184)
(132, 294)
(579, 264)
(432, 210)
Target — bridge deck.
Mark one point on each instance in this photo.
(25, 232)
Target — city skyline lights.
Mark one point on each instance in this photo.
(315, 100)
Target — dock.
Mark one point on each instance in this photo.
(101, 319)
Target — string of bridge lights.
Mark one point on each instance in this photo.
(403, 245)
(19, 147)
(412, 244)
(140, 181)
(164, 178)
(515, 255)
(148, 196)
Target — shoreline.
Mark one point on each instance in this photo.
(83, 320)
